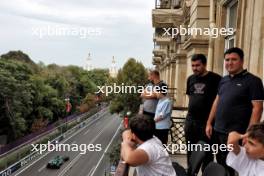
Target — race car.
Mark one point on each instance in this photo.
(57, 161)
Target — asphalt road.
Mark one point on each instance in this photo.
(104, 131)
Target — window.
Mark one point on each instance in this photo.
(231, 21)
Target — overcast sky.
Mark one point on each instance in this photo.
(104, 28)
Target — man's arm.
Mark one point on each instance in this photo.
(129, 153)
(165, 112)
(257, 110)
(148, 95)
(209, 128)
(133, 157)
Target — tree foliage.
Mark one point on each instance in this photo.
(33, 95)
(133, 74)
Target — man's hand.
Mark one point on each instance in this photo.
(157, 119)
(127, 135)
(127, 139)
(209, 130)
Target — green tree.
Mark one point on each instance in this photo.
(99, 76)
(33, 95)
(15, 96)
(133, 74)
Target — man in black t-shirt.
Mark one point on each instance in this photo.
(201, 89)
(238, 104)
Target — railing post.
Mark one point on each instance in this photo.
(122, 169)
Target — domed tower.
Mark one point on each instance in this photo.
(113, 68)
(88, 63)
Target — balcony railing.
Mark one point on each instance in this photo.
(177, 134)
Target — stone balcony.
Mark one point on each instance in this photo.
(156, 60)
(158, 52)
(162, 39)
(164, 18)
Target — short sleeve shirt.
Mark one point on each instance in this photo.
(244, 165)
(202, 91)
(164, 108)
(149, 105)
(235, 101)
(159, 163)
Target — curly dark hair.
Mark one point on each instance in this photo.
(142, 126)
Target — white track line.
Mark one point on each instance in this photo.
(41, 169)
(91, 171)
(106, 150)
(79, 155)
(61, 142)
(86, 132)
(70, 165)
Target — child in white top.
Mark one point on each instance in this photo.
(247, 160)
(145, 151)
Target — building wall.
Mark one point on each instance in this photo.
(249, 35)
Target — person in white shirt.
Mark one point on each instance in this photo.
(141, 149)
(247, 160)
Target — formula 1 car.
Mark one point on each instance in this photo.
(57, 161)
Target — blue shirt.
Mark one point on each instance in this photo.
(164, 110)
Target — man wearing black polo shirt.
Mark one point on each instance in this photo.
(201, 89)
(238, 104)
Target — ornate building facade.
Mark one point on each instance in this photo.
(172, 53)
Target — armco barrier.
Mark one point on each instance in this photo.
(13, 168)
(31, 137)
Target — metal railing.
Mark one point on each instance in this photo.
(177, 134)
(11, 168)
(36, 135)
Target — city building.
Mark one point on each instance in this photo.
(172, 53)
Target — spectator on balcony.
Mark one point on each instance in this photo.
(238, 104)
(149, 97)
(247, 160)
(201, 89)
(163, 114)
(140, 148)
